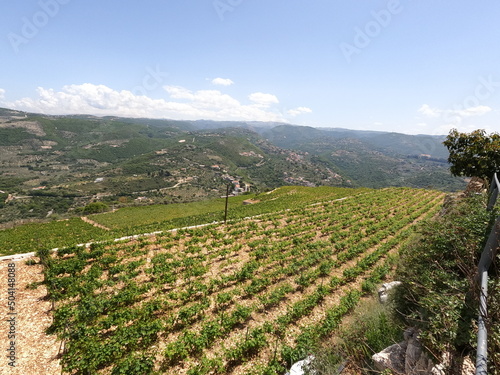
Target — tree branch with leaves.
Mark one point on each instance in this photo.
(474, 154)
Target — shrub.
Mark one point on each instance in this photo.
(95, 208)
(369, 330)
(438, 267)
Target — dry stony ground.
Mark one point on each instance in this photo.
(35, 352)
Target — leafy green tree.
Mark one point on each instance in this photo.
(95, 207)
(475, 154)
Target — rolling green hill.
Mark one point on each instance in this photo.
(373, 159)
(51, 167)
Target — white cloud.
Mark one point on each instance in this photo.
(203, 98)
(2, 93)
(441, 121)
(222, 81)
(426, 110)
(182, 104)
(177, 92)
(298, 111)
(473, 111)
(459, 111)
(263, 100)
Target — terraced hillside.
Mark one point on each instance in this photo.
(147, 219)
(249, 297)
(53, 167)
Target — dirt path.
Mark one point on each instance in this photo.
(94, 223)
(35, 352)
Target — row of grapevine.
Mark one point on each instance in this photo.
(149, 219)
(33, 237)
(244, 297)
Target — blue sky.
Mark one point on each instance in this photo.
(398, 65)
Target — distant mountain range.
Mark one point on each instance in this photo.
(51, 165)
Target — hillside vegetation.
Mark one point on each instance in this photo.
(52, 167)
(373, 159)
(440, 294)
(248, 297)
(147, 219)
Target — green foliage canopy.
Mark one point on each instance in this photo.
(475, 154)
(95, 207)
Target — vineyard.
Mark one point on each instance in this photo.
(147, 219)
(160, 217)
(32, 237)
(249, 297)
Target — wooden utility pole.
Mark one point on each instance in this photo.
(227, 199)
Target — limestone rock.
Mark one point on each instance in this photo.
(409, 358)
(392, 358)
(476, 185)
(300, 367)
(383, 292)
(467, 367)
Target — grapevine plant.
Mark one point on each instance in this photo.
(250, 296)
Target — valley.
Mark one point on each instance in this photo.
(52, 167)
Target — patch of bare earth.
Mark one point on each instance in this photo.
(32, 127)
(94, 223)
(35, 352)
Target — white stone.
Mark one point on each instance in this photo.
(299, 367)
(383, 292)
(392, 358)
(408, 357)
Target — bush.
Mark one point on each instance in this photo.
(95, 208)
(368, 331)
(438, 267)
